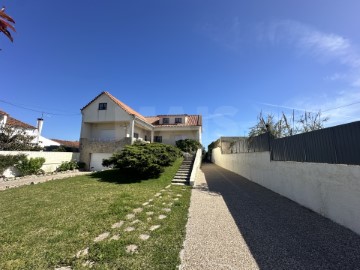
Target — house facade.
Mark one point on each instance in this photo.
(108, 125)
(7, 120)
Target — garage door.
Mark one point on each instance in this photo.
(96, 160)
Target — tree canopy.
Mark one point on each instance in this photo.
(6, 22)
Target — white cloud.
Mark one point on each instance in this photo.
(323, 46)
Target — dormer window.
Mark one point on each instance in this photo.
(178, 120)
(102, 106)
(166, 121)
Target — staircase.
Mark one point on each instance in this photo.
(182, 177)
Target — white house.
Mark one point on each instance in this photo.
(6, 119)
(108, 125)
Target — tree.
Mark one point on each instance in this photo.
(6, 22)
(188, 145)
(309, 121)
(16, 139)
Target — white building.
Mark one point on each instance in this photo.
(108, 125)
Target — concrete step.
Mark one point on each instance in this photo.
(176, 181)
(181, 177)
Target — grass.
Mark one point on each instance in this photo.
(43, 226)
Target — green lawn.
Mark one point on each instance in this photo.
(44, 226)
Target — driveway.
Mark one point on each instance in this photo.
(278, 233)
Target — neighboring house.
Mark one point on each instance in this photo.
(70, 146)
(6, 119)
(108, 125)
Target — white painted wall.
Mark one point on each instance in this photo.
(52, 159)
(332, 190)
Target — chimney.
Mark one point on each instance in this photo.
(4, 120)
(40, 123)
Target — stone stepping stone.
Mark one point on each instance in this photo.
(135, 221)
(168, 186)
(130, 216)
(154, 227)
(157, 194)
(138, 210)
(129, 229)
(82, 253)
(149, 219)
(162, 216)
(115, 237)
(89, 264)
(163, 203)
(166, 209)
(63, 268)
(131, 249)
(150, 200)
(148, 206)
(170, 204)
(163, 190)
(102, 237)
(145, 203)
(117, 224)
(178, 195)
(176, 199)
(144, 237)
(149, 213)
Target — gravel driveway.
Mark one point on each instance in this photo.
(237, 224)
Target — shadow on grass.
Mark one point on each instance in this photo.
(117, 177)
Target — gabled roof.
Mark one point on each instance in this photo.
(15, 122)
(122, 105)
(192, 120)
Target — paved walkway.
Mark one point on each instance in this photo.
(29, 180)
(237, 224)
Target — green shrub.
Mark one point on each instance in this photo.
(67, 166)
(30, 166)
(143, 160)
(81, 165)
(7, 161)
(188, 145)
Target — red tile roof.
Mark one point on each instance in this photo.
(121, 104)
(75, 144)
(3, 113)
(192, 120)
(17, 123)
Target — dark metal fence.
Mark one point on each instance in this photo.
(338, 145)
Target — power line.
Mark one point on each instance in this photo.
(343, 106)
(39, 111)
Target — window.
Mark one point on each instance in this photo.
(136, 135)
(145, 138)
(166, 121)
(158, 139)
(178, 120)
(102, 106)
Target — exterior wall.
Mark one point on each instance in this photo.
(171, 136)
(113, 113)
(52, 159)
(332, 190)
(172, 119)
(142, 133)
(87, 147)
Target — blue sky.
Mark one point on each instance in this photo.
(227, 60)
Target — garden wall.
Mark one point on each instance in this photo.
(52, 159)
(332, 190)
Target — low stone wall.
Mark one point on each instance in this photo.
(196, 166)
(52, 160)
(332, 190)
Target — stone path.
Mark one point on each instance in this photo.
(128, 225)
(30, 180)
(237, 224)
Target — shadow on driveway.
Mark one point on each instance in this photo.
(280, 233)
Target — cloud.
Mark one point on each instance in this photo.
(323, 46)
